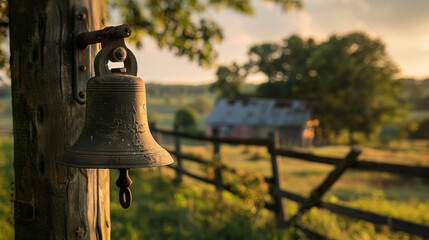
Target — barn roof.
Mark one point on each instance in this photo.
(260, 112)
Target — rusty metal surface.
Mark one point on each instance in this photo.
(107, 34)
(85, 50)
(82, 68)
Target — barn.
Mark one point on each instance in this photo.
(256, 117)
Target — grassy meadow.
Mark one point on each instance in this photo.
(163, 209)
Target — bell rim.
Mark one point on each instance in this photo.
(111, 167)
(80, 160)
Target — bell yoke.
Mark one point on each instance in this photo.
(116, 132)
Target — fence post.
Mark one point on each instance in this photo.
(217, 163)
(178, 152)
(276, 186)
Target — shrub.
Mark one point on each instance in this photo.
(187, 118)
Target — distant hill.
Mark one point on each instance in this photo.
(161, 90)
(5, 92)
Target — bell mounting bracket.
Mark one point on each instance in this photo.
(85, 50)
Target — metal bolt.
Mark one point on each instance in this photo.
(82, 68)
(82, 94)
(81, 16)
(119, 54)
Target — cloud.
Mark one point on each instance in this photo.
(307, 26)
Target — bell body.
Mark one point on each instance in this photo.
(116, 132)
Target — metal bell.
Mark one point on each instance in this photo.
(116, 132)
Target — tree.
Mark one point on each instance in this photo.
(354, 87)
(286, 66)
(287, 61)
(229, 81)
(202, 104)
(53, 201)
(186, 118)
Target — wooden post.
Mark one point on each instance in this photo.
(52, 201)
(217, 163)
(276, 183)
(178, 158)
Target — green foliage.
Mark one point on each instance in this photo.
(153, 118)
(183, 26)
(229, 81)
(202, 104)
(168, 211)
(423, 103)
(187, 118)
(6, 180)
(287, 61)
(259, 155)
(422, 130)
(354, 86)
(280, 89)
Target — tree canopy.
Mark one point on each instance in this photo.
(187, 118)
(230, 80)
(349, 78)
(354, 86)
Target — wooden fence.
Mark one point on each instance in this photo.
(277, 193)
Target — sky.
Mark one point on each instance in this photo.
(403, 25)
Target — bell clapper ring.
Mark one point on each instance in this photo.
(124, 182)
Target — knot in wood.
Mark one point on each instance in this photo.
(80, 232)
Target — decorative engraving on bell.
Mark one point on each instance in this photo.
(116, 132)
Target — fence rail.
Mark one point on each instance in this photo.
(277, 193)
(401, 169)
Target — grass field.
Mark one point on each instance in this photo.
(397, 196)
(166, 107)
(164, 210)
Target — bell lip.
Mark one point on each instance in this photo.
(125, 161)
(115, 167)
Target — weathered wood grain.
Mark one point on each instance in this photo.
(52, 201)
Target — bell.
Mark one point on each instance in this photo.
(116, 132)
